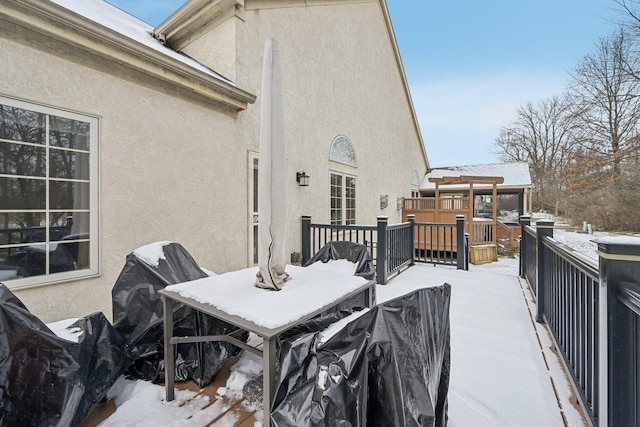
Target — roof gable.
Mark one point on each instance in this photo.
(196, 17)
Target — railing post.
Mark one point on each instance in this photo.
(381, 252)
(466, 251)
(460, 251)
(306, 238)
(525, 220)
(544, 227)
(619, 262)
(412, 246)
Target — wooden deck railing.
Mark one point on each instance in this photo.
(508, 236)
(481, 231)
(593, 312)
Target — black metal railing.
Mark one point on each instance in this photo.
(593, 313)
(392, 247)
(399, 253)
(436, 243)
(528, 254)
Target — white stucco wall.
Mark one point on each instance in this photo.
(175, 170)
(169, 171)
(340, 77)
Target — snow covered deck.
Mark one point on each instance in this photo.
(503, 368)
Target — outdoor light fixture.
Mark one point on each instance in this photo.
(302, 178)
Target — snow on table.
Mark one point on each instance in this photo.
(234, 293)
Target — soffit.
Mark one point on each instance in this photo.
(195, 18)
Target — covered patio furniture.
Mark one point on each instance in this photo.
(388, 367)
(356, 253)
(138, 316)
(47, 380)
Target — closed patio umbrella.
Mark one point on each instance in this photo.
(272, 176)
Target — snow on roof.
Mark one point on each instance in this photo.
(109, 16)
(514, 174)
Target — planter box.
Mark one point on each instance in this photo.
(482, 254)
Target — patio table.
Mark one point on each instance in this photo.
(233, 298)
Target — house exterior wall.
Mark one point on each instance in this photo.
(168, 172)
(176, 170)
(340, 77)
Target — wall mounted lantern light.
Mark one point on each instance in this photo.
(302, 178)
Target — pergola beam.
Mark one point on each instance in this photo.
(467, 179)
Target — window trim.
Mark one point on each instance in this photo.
(95, 260)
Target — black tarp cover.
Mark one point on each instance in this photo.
(389, 367)
(138, 316)
(46, 380)
(353, 252)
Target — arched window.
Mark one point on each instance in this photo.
(415, 184)
(415, 178)
(342, 151)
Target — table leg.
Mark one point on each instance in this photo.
(169, 368)
(268, 377)
(370, 297)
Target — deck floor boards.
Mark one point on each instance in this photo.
(236, 415)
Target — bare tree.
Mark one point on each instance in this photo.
(606, 98)
(541, 135)
(606, 102)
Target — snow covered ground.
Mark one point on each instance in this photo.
(499, 359)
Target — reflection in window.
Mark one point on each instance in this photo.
(45, 191)
(342, 151)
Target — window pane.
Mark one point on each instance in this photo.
(68, 195)
(255, 186)
(70, 256)
(255, 245)
(69, 226)
(69, 133)
(19, 159)
(22, 194)
(21, 125)
(22, 227)
(336, 216)
(23, 262)
(68, 164)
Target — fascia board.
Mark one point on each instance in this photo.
(195, 18)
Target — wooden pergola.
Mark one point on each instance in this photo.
(470, 181)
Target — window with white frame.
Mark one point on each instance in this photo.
(48, 194)
(343, 199)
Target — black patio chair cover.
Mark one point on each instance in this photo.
(138, 316)
(46, 380)
(389, 367)
(353, 252)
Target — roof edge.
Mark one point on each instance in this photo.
(64, 25)
(194, 18)
(274, 4)
(405, 82)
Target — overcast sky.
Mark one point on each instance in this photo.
(470, 63)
